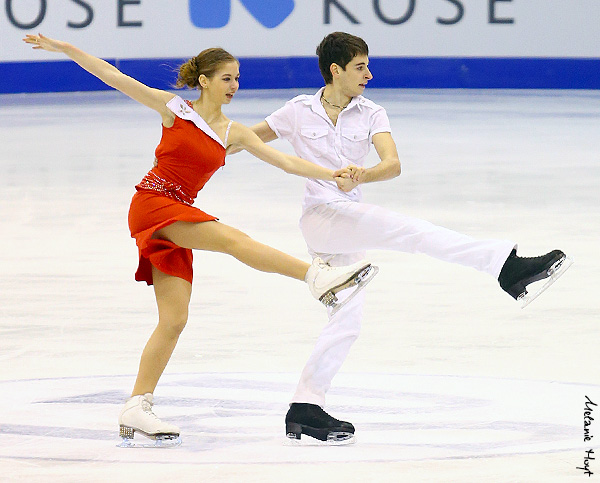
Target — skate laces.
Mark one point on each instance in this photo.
(324, 265)
(322, 268)
(317, 266)
(147, 408)
(539, 257)
(518, 257)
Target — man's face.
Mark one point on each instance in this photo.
(354, 78)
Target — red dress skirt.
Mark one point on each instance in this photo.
(188, 155)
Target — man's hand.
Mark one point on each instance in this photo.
(357, 173)
(345, 184)
(348, 178)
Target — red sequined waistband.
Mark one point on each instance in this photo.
(154, 182)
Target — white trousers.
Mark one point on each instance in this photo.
(340, 232)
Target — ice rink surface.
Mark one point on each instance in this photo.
(450, 381)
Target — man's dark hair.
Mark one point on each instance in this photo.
(339, 48)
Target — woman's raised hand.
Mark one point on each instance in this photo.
(45, 43)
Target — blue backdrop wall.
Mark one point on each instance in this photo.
(282, 73)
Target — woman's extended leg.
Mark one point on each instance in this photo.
(172, 298)
(217, 237)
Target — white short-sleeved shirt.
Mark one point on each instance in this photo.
(304, 123)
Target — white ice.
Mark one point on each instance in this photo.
(450, 380)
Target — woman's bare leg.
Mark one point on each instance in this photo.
(217, 237)
(172, 297)
(173, 293)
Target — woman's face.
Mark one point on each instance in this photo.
(224, 83)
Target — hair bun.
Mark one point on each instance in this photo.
(205, 63)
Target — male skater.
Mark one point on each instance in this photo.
(334, 128)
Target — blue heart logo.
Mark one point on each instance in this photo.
(214, 14)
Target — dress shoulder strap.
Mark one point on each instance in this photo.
(227, 132)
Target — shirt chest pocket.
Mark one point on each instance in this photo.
(315, 138)
(355, 143)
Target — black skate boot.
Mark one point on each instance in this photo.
(518, 272)
(310, 419)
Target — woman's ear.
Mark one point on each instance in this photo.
(203, 81)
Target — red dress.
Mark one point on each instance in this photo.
(188, 155)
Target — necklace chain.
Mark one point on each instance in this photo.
(341, 108)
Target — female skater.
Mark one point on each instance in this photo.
(166, 226)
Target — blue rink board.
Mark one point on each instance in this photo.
(294, 72)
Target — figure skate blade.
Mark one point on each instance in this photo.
(333, 439)
(357, 283)
(148, 441)
(554, 273)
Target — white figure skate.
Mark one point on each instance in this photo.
(137, 416)
(325, 281)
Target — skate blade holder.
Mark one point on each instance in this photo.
(150, 441)
(333, 439)
(159, 442)
(554, 273)
(358, 280)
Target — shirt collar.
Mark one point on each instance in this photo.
(317, 106)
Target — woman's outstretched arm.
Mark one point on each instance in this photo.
(242, 137)
(154, 98)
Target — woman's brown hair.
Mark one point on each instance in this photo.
(206, 62)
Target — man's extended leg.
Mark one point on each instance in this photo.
(345, 227)
(349, 227)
